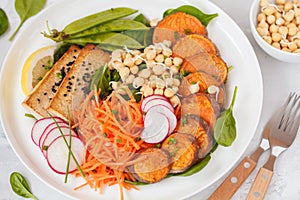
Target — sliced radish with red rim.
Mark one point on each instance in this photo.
(150, 98)
(58, 153)
(155, 102)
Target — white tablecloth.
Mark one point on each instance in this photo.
(278, 80)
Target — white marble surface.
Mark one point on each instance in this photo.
(278, 80)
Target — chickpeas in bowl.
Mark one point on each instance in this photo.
(275, 25)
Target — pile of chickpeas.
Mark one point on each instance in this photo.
(279, 24)
(154, 70)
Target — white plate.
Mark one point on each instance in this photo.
(235, 50)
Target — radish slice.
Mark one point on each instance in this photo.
(155, 102)
(49, 128)
(53, 134)
(58, 152)
(169, 114)
(156, 127)
(149, 98)
(39, 126)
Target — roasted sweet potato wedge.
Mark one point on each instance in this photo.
(204, 81)
(201, 105)
(177, 24)
(153, 167)
(192, 45)
(183, 151)
(195, 126)
(208, 63)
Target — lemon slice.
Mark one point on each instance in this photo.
(35, 67)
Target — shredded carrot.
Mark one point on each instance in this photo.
(110, 129)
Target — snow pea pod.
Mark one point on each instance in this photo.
(96, 19)
(114, 25)
(114, 39)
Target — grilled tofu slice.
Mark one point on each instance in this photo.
(75, 86)
(39, 98)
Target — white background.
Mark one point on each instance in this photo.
(278, 80)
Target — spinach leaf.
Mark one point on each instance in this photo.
(225, 128)
(191, 10)
(20, 186)
(101, 79)
(197, 167)
(25, 10)
(4, 22)
(59, 52)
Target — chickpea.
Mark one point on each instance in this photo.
(262, 31)
(138, 82)
(292, 46)
(145, 73)
(296, 51)
(158, 48)
(263, 24)
(128, 61)
(152, 78)
(286, 49)
(268, 39)
(159, 91)
(194, 88)
(274, 28)
(277, 15)
(151, 63)
(167, 43)
(176, 82)
(166, 75)
(283, 30)
(169, 81)
(168, 62)
(297, 41)
(288, 6)
(158, 69)
(174, 69)
(280, 21)
(149, 48)
(177, 61)
(117, 65)
(293, 31)
(147, 91)
(159, 83)
(159, 58)
(280, 2)
(271, 19)
(169, 92)
(150, 55)
(297, 20)
(154, 22)
(276, 45)
(297, 11)
(263, 3)
(129, 79)
(270, 10)
(289, 16)
(261, 17)
(134, 69)
(175, 101)
(175, 89)
(138, 60)
(167, 52)
(124, 72)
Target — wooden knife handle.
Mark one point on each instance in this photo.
(227, 189)
(260, 185)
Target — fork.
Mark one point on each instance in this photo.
(243, 170)
(282, 134)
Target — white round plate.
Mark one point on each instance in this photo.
(234, 47)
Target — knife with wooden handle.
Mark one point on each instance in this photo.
(235, 179)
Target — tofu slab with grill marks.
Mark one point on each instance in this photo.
(76, 84)
(39, 98)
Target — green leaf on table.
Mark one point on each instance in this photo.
(225, 128)
(20, 186)
(25, 10)
(4, 22)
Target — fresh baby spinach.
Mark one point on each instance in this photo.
(4, 22)
(25, 10)
(225, 128)
(20, 186)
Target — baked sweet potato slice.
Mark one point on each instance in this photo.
(178, 23)
(153, 167)
(204, 81)
(208, 63)
(194, 44)
(195, 126)
(183, 151)
(201, 105)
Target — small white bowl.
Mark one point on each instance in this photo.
(269, 49)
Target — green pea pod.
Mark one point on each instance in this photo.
(114, 25)
(114, 39)
(203, 17)
(4, 22)
(96, 19)
(141, 18)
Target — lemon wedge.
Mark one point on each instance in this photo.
(35, 67)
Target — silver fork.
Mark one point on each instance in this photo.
(282, 134)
